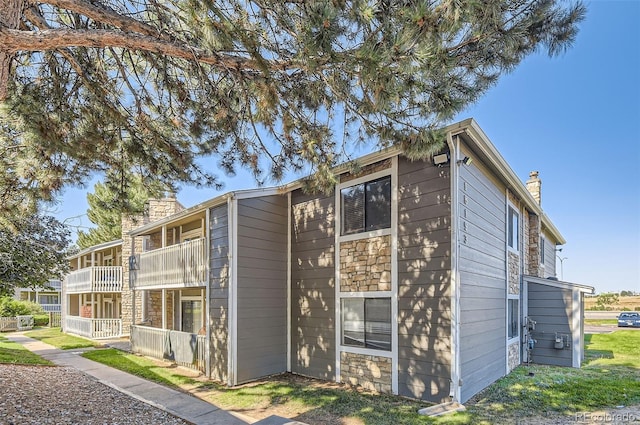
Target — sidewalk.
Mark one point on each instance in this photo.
(180, 404)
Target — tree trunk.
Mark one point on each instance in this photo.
(10, 15)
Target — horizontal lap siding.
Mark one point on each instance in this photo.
(482, 281)
(424, 294)
(219, 291)
(551, 308)
(312, 286)
(262, 287)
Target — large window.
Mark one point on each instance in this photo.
(513, 314)
(366, 322)
(366, 206)
(513, 229)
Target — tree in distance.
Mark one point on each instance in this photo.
(150, 86)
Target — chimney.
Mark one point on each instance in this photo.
(534, 186)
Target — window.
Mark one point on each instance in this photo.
(366, 322)
(366, 206)
(191, 316)
(513, 229)
(513, 321)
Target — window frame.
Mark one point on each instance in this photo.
(364, 345)
(366, 229)
(510, 336)
(513, 237)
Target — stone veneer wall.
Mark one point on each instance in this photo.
(370, 372)
(533, 252)
(514, 355)
(155, 309)
(514, 273)
(365, 265)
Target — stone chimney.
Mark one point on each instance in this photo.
(534, 186)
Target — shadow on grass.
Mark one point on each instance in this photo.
(139, 366)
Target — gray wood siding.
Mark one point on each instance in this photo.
(313, 285)
(481, 207)
(262, 287)
(551, 308)
(550, 258)
(424, 295)
(219, 290)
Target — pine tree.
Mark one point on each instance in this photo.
(272, 85)
(106, 209)
(33, 249)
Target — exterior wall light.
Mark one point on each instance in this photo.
(440, 159)
(466, 160)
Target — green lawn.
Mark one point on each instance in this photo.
(14, 353)
(609, 377)
(55, 337)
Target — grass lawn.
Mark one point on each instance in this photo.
(598, 322)
(14, 353)
(55, 337)
(610, 377)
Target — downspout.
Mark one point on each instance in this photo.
(454, 390)
(207, 291)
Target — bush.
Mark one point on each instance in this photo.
(10, 307)
(41, 320)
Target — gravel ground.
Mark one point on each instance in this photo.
(62, 395)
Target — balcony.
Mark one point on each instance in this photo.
(93, 328)
(95, 279)
(186, 349)
(176, 266)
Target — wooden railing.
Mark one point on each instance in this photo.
(178, 265)
(93, 328)
(56, 285)
(50, 307)
(16, 323)
(162, 344)
(95, 279)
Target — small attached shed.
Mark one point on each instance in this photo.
(555, 312)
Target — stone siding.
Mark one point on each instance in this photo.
(514, 273)
(155, 309)
(514, 356)
(533, 254)
(365, 265)
(370, 372)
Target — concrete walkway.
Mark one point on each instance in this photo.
(180, 404)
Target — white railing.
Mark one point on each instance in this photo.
(93, 328)
(186, 349)
(95, 279)
(16, 323)
(183, 264)
(56, 285)
(50, 307)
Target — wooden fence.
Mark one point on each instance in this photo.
(17, 323)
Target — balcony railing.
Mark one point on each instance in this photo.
(50, 307)
(186, 349)
(95, 279)
(93, 328)
(180, 265)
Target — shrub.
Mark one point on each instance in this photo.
(41, 320)
(10, 307)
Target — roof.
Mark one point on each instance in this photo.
(559, 284)
(98, 247)
(475, 138)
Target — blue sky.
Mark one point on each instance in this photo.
(576, 119)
